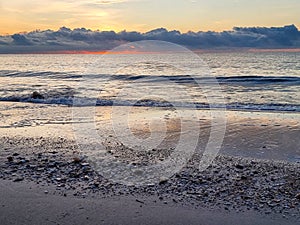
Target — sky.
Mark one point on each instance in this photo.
(39, 26)
(144, 15)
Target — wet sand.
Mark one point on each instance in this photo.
(262, 135)
(25, 203)
(254, 180)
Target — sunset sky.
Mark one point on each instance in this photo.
(143, 15)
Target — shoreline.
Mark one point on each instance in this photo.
(262, 135)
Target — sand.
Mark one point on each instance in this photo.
(45, 178)
(25, 203)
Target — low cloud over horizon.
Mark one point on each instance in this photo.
(82, 39)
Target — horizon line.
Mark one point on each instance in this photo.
(85, 52)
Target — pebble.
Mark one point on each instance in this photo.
(37, 95)
(234, 183)
(163, 180)
(76, 160)
(10, 158)
(240, 167)
(18, 179)
(85, 164)
(140, 201)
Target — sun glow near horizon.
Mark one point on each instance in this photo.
(144, 15)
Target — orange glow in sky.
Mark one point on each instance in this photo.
(131, 52)
(144, 15)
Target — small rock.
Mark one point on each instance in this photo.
(76, 160)
(244, 178)
(23, 161)
(10, 158)
(163, 180)
(240, 167)
(53, 152)
(96, 184)
(84, 164)
(18, 179)
(46, 192)
(31, 166)
(297, 196)
(36, 95)
(139, 201)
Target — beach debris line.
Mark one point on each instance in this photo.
(233, 183)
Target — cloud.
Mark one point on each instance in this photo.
(19, 39)
(82, 39)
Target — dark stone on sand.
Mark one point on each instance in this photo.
(10, 158)
(76, 160)
(37, 95)
(244, 178)
(240, 167)
(18, 179)
(139, 201)
(53, 152)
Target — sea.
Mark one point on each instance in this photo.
(247, 81)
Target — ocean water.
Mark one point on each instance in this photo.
(268, 81)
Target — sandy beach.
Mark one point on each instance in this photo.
(25, 203)
(46, 179)
(138, 112)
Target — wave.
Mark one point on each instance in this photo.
(83, 102)
(41, 74)
(241, 80)
(289, 80)
(222, 80)
(285, 89)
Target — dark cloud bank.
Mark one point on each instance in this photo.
(83, 39)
